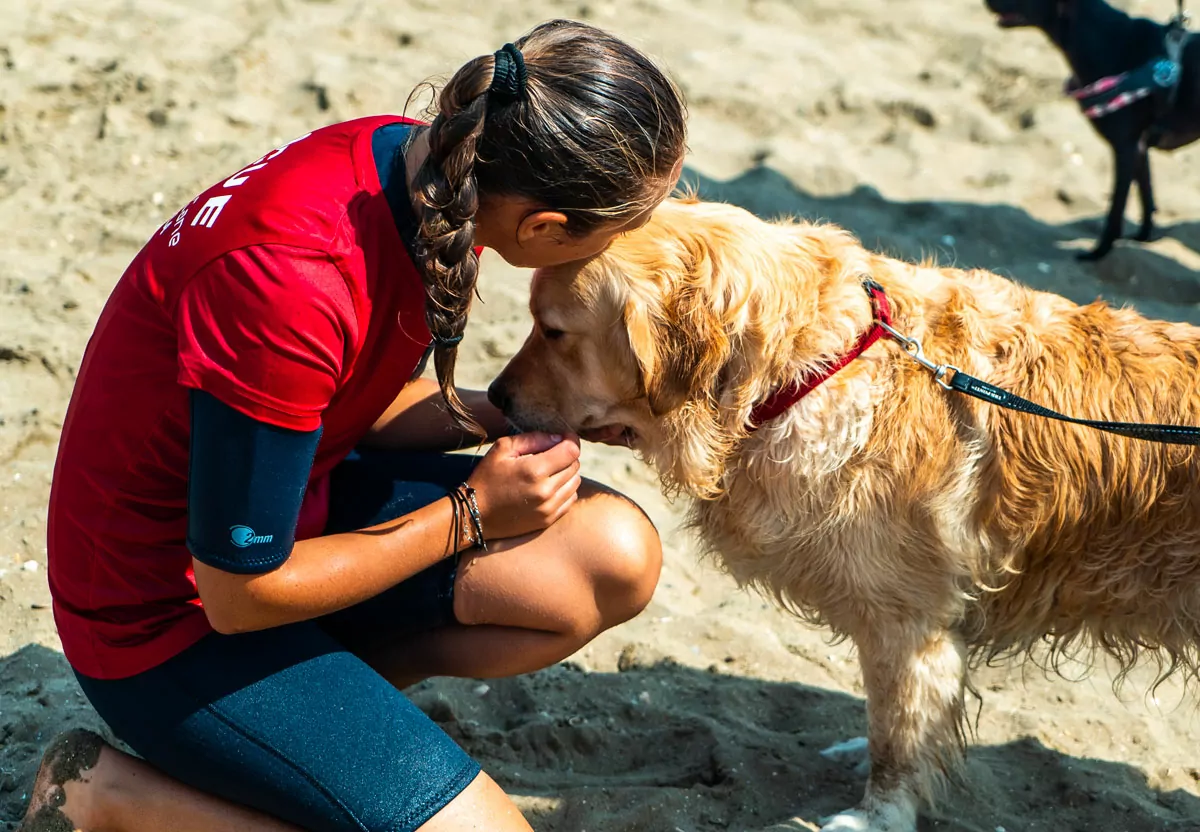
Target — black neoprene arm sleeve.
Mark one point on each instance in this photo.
(246, 482)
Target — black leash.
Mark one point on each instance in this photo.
(963, 383)
(1166, 434)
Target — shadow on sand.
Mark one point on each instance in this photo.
(662, 747)
(999, 237)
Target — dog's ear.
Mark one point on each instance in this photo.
(680, 344)
(684, 340)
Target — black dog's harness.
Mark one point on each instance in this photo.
(1159, 77)
(952, 378)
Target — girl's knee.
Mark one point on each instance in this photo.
(596, 568)
(626, 559)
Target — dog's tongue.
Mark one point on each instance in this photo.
(608, 434)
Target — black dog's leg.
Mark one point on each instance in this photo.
(1146, 192)
(1125, 165)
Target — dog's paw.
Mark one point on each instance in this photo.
(851, 821)
(1144, 234)
(884, 816)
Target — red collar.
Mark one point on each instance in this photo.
(783, 398)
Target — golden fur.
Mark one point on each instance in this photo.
(931, 528)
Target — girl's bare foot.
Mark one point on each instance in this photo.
(68, 760)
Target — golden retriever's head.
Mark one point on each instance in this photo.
(667, 340)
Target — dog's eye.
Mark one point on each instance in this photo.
(551, 334)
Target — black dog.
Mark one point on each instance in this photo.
(1135, 99)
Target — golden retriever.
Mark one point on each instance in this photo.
(931, 528)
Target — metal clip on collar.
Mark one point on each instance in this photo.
(917, 353)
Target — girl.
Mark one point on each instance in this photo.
(253, 543)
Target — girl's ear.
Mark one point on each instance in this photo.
(550, 225)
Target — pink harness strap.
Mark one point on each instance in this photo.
(1103, 85)
(1118, 101)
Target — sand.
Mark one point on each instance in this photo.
(920, 126)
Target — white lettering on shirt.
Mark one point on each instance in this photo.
(210, 212)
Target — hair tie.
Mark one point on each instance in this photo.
(452, 341)
(509, 78)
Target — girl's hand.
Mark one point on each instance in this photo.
(525, 483)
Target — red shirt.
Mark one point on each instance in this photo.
(286, 292)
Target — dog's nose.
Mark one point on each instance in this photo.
(499, 397)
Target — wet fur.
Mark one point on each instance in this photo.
(932, 529)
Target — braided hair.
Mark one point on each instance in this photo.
(569, 117)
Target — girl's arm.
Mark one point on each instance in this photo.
(326, 574)
(246, 483)
(418, 420)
